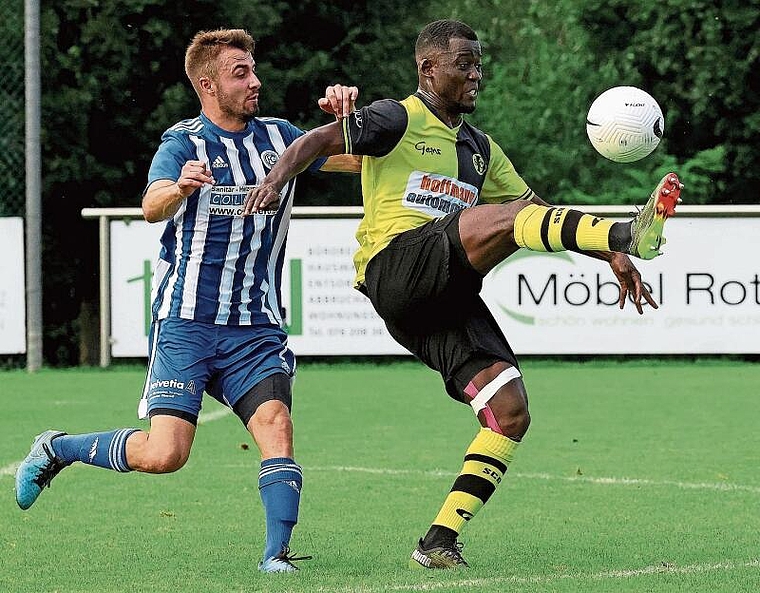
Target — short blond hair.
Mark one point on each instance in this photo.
(204, 49)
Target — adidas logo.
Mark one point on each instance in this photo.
(219, 163)
(294, 485)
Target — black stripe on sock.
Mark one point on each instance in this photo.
(620, 236)
(568, 235)
(486, 459)
(474, 485)
(545, 229)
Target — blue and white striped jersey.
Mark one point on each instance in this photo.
(216, 265)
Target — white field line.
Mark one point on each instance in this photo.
(606, 575)
(716, 486)
(10, 469)
(215, 415)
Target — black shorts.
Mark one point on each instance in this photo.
(427, 292)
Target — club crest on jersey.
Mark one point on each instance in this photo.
(269, 158)
(479, 163)
(438, 195)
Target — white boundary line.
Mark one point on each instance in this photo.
(715, 486)
(10, 470)
(544, 579)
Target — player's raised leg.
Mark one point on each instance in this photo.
(545, 228)
(164, 449)
(540, 227)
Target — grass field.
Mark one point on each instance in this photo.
(638, 476)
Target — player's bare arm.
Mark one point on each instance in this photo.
(628, 276)
(164, 197)
(323, 141)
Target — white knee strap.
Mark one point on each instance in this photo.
(489, 390)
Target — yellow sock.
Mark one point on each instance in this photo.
(541, 228)
(485, 464)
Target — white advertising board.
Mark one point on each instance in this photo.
(12, 287)
(323, 312)
(706, 286)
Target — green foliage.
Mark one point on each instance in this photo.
(545, 63)
(700, 59)
(113, 81)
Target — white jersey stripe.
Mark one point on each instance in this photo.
(192, 271)
(226, 284)
(275, 137)
(260, 223)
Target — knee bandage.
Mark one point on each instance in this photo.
(480, 398)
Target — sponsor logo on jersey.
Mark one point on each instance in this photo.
(191, 387)
(438, 195)
(269, 158)
(219, 163)
(424, 149)
(228, 200)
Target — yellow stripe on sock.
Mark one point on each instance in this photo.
(459, 506)
(489, 442)
(528, 227)
(593, 236)
(466, 504)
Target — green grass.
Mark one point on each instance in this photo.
(638, 476)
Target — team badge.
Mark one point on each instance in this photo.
(269, 158)
(479, 163)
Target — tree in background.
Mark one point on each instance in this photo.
(113, 80)
(545, 63)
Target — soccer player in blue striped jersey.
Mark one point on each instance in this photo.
(217, 316)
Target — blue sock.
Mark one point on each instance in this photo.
(103, 449)
(280, 481)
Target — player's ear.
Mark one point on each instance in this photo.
(206, 85)
(425, 67)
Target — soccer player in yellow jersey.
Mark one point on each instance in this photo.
(442, 206)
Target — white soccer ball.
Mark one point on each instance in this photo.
(625, 124)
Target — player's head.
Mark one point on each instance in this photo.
(448, 57)
(221, 69)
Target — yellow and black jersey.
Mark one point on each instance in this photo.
(416, 168)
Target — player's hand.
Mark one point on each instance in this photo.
(193, 175)
(630, 282)
(339, 100)
(261, 197)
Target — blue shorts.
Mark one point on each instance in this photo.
(189, 357)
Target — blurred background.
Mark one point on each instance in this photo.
(113, 81)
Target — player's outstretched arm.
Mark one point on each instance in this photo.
(323, 141)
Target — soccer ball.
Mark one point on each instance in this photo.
(624, 124)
